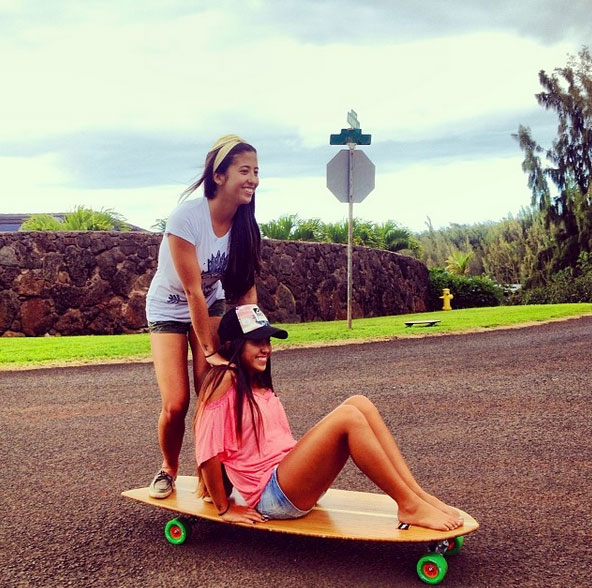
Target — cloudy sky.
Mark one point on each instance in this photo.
(114, 103)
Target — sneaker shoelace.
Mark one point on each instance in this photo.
(162, 475)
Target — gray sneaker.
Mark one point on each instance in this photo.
(162, 485)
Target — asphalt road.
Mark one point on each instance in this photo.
(497, 423)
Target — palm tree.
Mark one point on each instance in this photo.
(458, 263)
(388, 235)
(41, 222)
(365, 233)
(81, 219)
(86, 219)
(311, 229)
(394, 237)
(336, 232)
(159, 225)
(281, 228)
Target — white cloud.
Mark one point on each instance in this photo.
(195, 71)
(25, 178)
(201, 74)
(37, 185)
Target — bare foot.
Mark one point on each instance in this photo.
(422, 514)
(445, 508)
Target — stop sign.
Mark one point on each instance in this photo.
(338, 175)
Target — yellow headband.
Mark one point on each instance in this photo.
(224, 145)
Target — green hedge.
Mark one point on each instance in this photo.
(468, 291)
(568, 285)
(564, 287)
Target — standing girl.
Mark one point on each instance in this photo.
(241, 424)
(210, 252)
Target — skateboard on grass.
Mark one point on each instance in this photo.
(339, 514)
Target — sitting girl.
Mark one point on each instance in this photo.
(240, 424)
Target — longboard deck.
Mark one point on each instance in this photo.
(340, 514)
(422, 323)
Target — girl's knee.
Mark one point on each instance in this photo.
(350, 414)
(174, 411)
(361, 402)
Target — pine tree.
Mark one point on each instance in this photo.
(567, 163)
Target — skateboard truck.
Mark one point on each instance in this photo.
(440, 547)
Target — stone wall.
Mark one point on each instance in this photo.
(308, 281)
(74, 283)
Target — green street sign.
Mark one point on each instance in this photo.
(350, 136)
(352, 119)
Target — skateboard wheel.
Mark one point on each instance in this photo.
(177, 531)
(454, 545)
(432, 568)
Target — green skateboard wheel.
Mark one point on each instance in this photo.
(455, 545)
(432, 568)
(177, 531)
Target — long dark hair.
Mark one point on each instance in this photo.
(244, 258)
(242, 379)
(232, 351)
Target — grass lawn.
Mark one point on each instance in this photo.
(29, 352)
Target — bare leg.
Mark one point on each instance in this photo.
(388, 443)
(169, 352)
(310, 468)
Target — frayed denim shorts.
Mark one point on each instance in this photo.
(183, 328)
(274, 504)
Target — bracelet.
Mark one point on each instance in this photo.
(224, 511)
(210, 355)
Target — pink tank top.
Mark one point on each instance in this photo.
(248, 467)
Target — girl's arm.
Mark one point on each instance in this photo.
(211, 472)
(184, 257)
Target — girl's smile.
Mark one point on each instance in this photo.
(256, 353)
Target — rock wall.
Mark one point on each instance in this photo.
(308, 281)
(74, 283)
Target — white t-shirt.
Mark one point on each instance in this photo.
(166, 300)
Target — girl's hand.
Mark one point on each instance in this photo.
(216, 359)
(242, 514)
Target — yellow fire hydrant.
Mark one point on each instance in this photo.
(446, 297)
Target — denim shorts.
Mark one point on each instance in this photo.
(274, 504)
(177, 327)
(181, 327)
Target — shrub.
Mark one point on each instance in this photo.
(568, 285)
(468, 291)
(80, 219)
(564, 287)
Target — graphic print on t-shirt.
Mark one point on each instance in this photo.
(217, 265)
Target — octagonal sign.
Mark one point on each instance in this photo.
(338, 176)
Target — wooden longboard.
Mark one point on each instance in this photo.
(340, 514)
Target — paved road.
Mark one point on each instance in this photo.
(497, 423)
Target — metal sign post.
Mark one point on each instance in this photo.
(350, 233)
(350, 176)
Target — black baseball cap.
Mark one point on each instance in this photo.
(247, 322)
